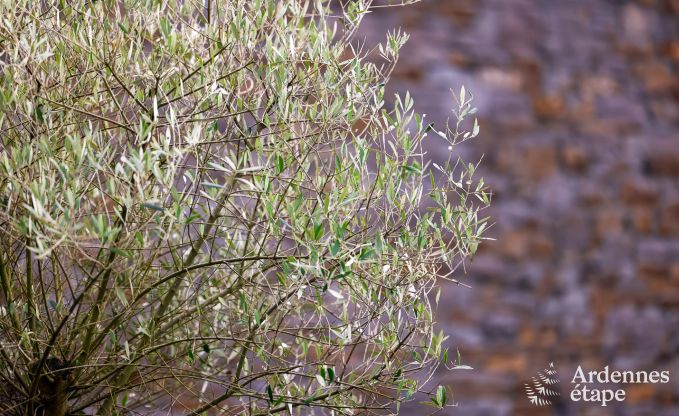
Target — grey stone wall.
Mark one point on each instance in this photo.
(579, 108)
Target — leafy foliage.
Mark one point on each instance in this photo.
(207, 206)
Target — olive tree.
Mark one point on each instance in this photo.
(207, 207)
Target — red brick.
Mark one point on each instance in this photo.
(461, 11)
(574, 158)
(669, 219)
(671, 50)
(663, 159)
(525, 243)
(507, 363)
(609, 223)
(642, 220)
(656, 76)
(549, 107)
(639, 192)
(539, 162)
(638, 393)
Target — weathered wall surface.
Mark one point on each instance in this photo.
(579, 107)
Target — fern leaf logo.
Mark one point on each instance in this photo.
(539, 390)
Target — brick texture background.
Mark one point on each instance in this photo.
(579, 107)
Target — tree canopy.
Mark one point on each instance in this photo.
(208, 207)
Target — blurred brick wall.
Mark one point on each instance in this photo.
(579, 108)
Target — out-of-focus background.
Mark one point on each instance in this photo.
(579, 107)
